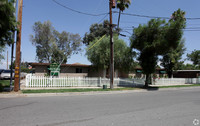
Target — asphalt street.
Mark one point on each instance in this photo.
(150, 108)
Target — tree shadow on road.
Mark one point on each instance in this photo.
(149, 88)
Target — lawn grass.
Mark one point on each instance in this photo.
(74, 90)
(98, 89)
(177, 86)
(3, 84)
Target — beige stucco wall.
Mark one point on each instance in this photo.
(65, 71)
(96, 73)
(68, 69)
(40, 70)
(73, 74)
(102, 73)
(39, 74)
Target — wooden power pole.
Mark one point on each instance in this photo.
(111, 5)
(7, 61)
(18, 46)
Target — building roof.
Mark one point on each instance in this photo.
(73, 65)
(140, 68)
(188, 70)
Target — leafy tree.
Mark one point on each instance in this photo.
(174, 32)
(24, 67)
(99, 55)
(97, 31)
(157, 38)
(7, 22)
(171, 60)
(1, 51)
(13, 64)
(189, 67)
(122, 5)
(52, 46)
(24, 64)
(174, 29)
(194, 57)
(26, 70)
(146, 39)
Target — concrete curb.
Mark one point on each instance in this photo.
(19, 95)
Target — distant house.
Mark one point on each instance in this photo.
(186, 74)
(69, 70)
(138, 73)
(160, 72)
(75, 70)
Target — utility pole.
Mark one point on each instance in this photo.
(18, 46)
(7, 61)
(111, 5)
(12, 49)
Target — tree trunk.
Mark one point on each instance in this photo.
(169, 74)
(147, 81)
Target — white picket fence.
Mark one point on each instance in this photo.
(176, 81)
(41, 81)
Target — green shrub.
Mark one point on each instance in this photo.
(26, 70)
(1, 87)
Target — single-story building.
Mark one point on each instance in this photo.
(83, 70)
(75, 70)
(160, 72)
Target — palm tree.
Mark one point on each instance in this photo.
(178, 15)
(122, 5)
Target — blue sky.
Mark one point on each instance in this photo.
(66, 20)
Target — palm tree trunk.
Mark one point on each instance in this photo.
(118, 21)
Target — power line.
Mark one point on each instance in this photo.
(188, 50)
(193, 24)
(187, 28)
(132, 22)
(84, 13)
(137, 23)
(91, 17)
(147, 16)
(144, 16)
(126, 32)
(132, 27)
(193, 18)
(103, 18)
(192, 30)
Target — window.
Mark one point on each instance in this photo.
(162, 72)
(78, 70)
(138, 71)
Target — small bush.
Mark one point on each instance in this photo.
(1, 87)
(26, 70)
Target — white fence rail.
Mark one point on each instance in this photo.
(40, 81)
(176, 81)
